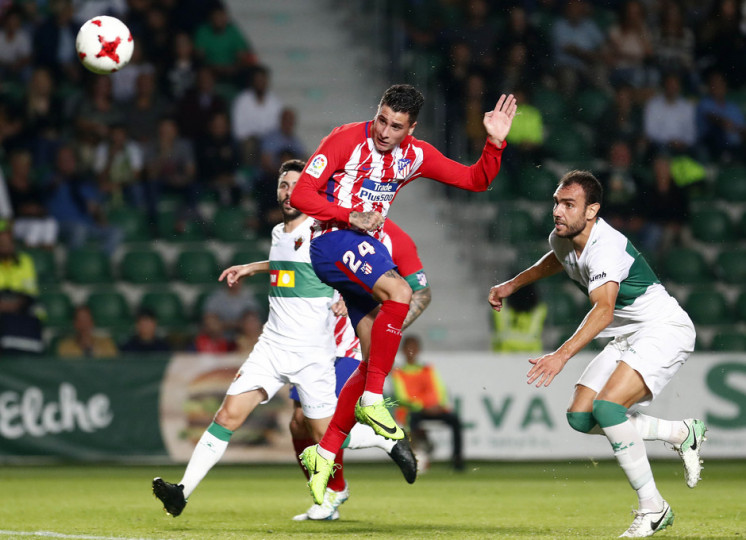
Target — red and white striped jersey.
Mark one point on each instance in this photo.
(348, 344)
(347, 173)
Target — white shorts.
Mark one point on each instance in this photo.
(656, 353)
(271, 368)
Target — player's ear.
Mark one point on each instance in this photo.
(591, 211)
(411, 128)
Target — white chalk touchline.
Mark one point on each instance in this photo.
(50, 534)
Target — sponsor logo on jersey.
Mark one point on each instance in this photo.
(317, 165)
(597, 276)
(422, 279)
(373, 191)
(282, 278)
(298, 243)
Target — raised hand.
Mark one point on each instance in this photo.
(497, 122)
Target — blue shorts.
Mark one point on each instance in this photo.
(343, 368)
(351, 262)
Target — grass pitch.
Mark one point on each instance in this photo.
(489, 500)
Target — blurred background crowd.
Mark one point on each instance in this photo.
(122, 196)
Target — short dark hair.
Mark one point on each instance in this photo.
(592, 188)
(403, 98)
(296, 165)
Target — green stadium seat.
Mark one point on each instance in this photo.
(110, 309)
(143, 267)
(562, 308)
(197, 267)
(167, 306)
(729, 341)
(730, 184)
(731, 266)
(87, 266)
(740, 307)
(552, 105)
(512, 226)
(537, 184)
(45, 265)
(707, 307)
(232, 225)
(742, 227)
(58, 308)
(686, 267)
(171, 229)
(133, 222)
(590, 105)
(567, 145)
(247, 255)
(501, 189)
(711, 225)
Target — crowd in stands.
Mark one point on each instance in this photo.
(647, 93)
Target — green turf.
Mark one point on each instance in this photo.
(489, 500)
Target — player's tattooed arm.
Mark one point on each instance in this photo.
(366, 221)
(418, 304)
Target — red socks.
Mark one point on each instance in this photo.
(384, 343)
(337, 480)
(344, 415)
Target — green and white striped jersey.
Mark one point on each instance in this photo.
(610, 256)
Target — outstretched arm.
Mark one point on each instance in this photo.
(547, 266)
(234, 274)
(599, 317)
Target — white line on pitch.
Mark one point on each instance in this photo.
(50, 534)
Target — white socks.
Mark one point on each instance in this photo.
(629, 450)
(369, 398)
(363, 436)
(656, 429)
(207, 453)
(324, 453)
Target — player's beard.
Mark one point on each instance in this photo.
(571, 229)
(289, 214)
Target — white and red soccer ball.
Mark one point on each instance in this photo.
(104, 44)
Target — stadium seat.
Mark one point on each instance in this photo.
(248, 254)
(58, 308)
(731, 184)
(88, 267)
(132, 222)
(711, 225)
(707, 306)
(197, 267)
(562, 308)
(740, 307)
(552, 106)
(731, 266)
(231, 225)
(567, 144)
(143, 267)
(730, 340)
(537, 184)
(590, 105)
(109, 309)
(172, 229)
(686, 266)
(512, 226)
(199, 303)
(45, 265)
(167, 306)
(501, 189)
(742, 227)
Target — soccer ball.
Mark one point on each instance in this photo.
(104, 44)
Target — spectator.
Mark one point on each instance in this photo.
(669, 120)
(631, 48)
(54, 43)
(222, 47)
(146, 338)
(478, 32)
(722, 44)
(86, 340)
(180, 73)
(170, 166)
(283, 139)
(94, 115)
(520, 31)
(458, 67)
(87, 9)
(520, 323)
(623, 207)
(146, 110)
(249, 330)
(578, 46)
(157, 38)
(420, 392)
(229, 304)
(526, 136)
(119, 164)
(720, 121)
(20, 328)
(198, 104)
(674, 46)
(218, 158)
(43, 116)
(667, 209)
(211, 338)
(76, 203)
(15, 46)
(256, 112)
(124, 81)
(622, 120)
(33, 225)
(474, 106)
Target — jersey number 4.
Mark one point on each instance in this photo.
(364, 248)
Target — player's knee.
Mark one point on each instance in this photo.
(298, 428)
(608, 413)
(583, 422)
